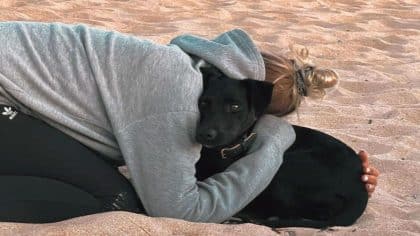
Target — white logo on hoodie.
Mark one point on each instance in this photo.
(9, 112)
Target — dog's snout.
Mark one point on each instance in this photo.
(210, 134)
(207, 135)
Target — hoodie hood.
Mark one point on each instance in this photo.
(232, 52)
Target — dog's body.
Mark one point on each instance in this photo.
(318, 185)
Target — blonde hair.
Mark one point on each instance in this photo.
(295, 78)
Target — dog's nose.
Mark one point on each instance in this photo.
(210, 134)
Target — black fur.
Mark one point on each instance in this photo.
(318, 185)
(237, 102)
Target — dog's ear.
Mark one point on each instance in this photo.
(206, 71)
(259, 95)
(209, 72)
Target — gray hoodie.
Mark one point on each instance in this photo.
(130, 98)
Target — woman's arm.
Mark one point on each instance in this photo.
(161, 153)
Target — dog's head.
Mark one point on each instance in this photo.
(229, 107)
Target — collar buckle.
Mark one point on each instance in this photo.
(236, 150)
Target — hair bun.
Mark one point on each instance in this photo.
(325, 78)
(294, 77)
(319, 80)
(316, 80)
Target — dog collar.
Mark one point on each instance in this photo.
(238, 149)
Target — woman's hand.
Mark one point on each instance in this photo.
(370, 173)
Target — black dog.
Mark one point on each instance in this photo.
(318, 184)
(229, 108)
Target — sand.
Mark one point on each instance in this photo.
(373, 45)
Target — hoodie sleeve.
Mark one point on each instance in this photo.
(162, 167)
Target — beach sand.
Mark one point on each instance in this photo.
(373, 45)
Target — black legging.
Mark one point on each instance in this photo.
(47, 176)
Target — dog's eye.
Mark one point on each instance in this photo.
(235, 108)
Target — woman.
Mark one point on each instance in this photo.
(130, 100)
(297, 77)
